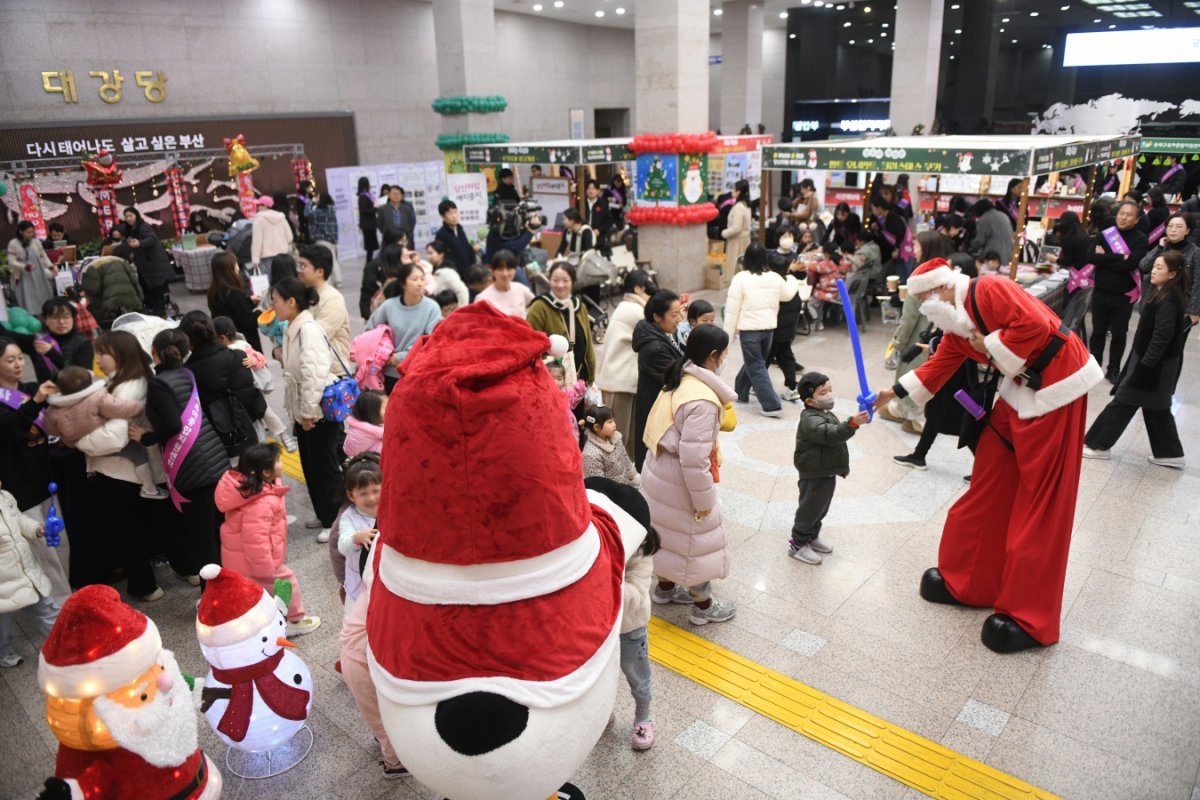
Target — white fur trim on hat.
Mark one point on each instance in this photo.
(927, 281)
(488, 584)
(241, 628)
(559, 346)
(105, 674)
(531, 694)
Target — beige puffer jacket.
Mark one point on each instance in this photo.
(753, 301)
(21, 578)
(307, 367)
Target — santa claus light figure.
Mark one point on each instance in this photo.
(123, 713)
(1005, 542)
(495, 608)
(257, 694)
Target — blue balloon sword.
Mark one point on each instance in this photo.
(866, 398)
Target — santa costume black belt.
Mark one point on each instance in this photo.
(196, 782)
(1031, 376)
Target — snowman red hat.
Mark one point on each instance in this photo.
(98, 645)
(494, 619)
(232, 607)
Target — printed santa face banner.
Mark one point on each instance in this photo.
(245, 184)
(31, 207)
(693, 185)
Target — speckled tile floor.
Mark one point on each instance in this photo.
(1112, 711)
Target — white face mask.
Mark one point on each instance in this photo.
(825, 404)
(786, 242)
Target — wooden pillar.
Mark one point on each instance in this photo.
(1093, 171)
(1022, 213)
(1128, 170)
(580, 192)
(764, 206)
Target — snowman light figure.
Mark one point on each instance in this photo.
(258, 693)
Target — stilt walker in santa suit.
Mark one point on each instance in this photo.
(1005, 542)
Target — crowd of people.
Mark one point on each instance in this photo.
(176, 432)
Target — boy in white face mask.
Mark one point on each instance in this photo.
(821, 455)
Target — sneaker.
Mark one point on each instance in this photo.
(1173, 463)
(717, 611)
(289, 442)
(914, 461)
(303, 626)
(804, 553)
(677, 595)
(791, 395)
(643, 734)
(1099, 455)
(778, 412)
(194, 580)
(154, 596)
(393, 772)
(13, 660)
(157, 493)
(314, 524)
(323, 536)
(820, 546)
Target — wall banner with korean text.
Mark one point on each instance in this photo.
(424, 184)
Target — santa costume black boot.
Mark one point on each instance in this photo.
(1002, 634)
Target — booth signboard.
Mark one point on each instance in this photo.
(570, 153)
(606, 154)
(424, 186)
(468, 190)
(1175, 146)
(553, 195)
(1074, 156)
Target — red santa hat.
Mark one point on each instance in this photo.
(928, 276)
(232, 608)
(98, 645)
(489, 541)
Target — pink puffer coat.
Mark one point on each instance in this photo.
(677, 483)
(254, 534)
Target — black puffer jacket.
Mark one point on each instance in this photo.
(1152, 370)
(166, 398)
(25, 463)
(153, 264)
(227, 392)
(655, 351)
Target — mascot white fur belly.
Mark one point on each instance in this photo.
(496, 597)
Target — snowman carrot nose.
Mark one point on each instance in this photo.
(282, 642)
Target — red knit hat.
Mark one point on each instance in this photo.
(930, 275)
(98, 645)
(232, 608)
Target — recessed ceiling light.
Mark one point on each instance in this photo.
(599, 13)
(537, 6)
(805, 2)
(783, 15)
(1110, 27)
(955, 7)
(819, 3)
(958, 31)
(1014, 41)
(1006, 19)
(558, 3)
(870, 41)
(1064, 8)
(841, 8)
(1033, 13)
(884, 25)
(867, 10)
(717, 12)
(1095, 22)
(951, 56)
(791, 36)
(883, 34)
(620, 12)
(1002, 30)
(851, 41)
(845, 24)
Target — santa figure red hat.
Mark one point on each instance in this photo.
(495, 610)
(123, 713)
(1005, 542)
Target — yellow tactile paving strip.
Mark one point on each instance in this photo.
(912, 760)
(906, 757)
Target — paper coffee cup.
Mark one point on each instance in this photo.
(893, 282)
(904, 292)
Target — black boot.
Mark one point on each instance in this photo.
(1002, 634)
(933, 589)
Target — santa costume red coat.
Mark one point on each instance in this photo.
(1005, 542)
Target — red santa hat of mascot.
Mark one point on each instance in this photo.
(495, 610)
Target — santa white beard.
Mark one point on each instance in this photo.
(163, 731)
(947, 316)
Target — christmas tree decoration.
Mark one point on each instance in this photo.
(240, 160)
(123, 713)
(258, 693)
(102, 170)
(503, 716)
(658, 184)
(457, 141)
(469, 104)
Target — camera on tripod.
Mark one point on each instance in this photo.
(512, 219)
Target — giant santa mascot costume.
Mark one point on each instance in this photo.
(123, 713)
(494, 614)
(1005, 542)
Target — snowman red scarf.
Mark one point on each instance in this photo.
(286, 701)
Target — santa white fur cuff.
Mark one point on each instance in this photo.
(1009, 362)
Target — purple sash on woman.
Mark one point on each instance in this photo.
(906, 244)
(1166, 176)
(1010, 208)
(179, 445)
(1157, 233)
(15, 398)
(1116, 243)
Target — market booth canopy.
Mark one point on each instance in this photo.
(965, 155)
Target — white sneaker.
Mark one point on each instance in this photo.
(11, 660)
(303, 626)
(289, 442)
(819, 546)
(791, 395)
(314, 524)
(1173, 463)
(805, 553)
(1099, 455)
(157, 493)
(677, 595)
(323, 536)
(774, 414)
(717, 611)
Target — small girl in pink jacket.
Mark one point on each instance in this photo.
(254, 534)
(364, 427)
